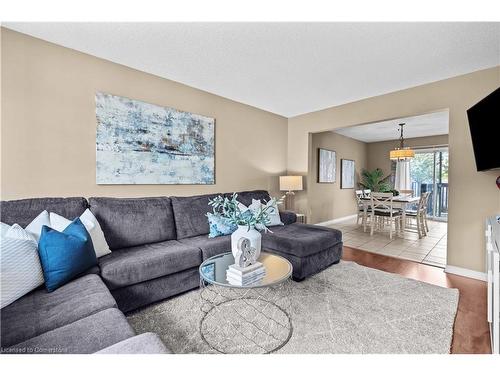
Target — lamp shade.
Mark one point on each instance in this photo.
(401, 154)
(290, 183)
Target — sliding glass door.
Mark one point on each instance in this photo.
(429, 172)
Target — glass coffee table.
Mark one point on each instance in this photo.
(245, 319)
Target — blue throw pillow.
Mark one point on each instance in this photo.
(219, 226)
(65, 254)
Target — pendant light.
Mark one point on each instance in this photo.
(401, 153)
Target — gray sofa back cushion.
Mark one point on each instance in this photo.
(189, 212)
(23, 211)
(246, 197)
(130, 222)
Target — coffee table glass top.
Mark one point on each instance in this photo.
(278, 269)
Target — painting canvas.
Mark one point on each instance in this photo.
(326, 166)
(142, 143)
(348, 173)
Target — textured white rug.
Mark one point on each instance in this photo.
(347, 308)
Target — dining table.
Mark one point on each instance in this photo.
(399, 201)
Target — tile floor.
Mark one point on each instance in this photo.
(429, 250)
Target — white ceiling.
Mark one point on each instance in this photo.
(416, 126)
(287, 68)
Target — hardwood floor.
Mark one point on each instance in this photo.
(471, 332)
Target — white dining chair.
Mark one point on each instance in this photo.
(420, 215)
(361, 207)
(383, 211)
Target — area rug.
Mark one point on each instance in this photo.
(348, 308)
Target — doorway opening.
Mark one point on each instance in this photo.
(425, 172)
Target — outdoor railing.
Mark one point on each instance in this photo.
(442, 196)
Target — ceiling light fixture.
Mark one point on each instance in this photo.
(402, 153)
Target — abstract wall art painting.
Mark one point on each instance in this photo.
(347, 170)
(142, 143)
(327, 161)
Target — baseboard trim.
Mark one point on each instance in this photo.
(338, 220)
(466, 273)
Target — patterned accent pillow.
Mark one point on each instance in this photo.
(273, 211)
(219, 226)
(20, 268)
(3, 229)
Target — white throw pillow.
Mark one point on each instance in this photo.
(60, 223)
(273, 212)
(20, 269)
(90, 222)
(98, 239)
(35, 227)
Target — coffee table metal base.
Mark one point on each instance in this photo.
(245, 320)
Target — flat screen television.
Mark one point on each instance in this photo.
(484, 125)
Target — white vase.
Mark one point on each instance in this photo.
(252, 234)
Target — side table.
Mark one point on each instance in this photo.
(301, 218)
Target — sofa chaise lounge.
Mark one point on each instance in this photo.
(157, 246)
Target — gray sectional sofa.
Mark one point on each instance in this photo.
(157, 246)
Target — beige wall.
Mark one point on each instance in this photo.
(378, 152)
(335, 202)
(49, 126)
(473, 195)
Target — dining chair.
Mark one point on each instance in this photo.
(420, 215)
(361, 207)
(383, 211)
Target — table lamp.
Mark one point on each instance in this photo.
(290, 184)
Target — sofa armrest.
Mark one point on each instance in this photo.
(147, 343)
(288, 217)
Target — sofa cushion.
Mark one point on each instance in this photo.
(140, 263)
(147, 343)
(23, 211)
(135, 296)
(288, 217)
(189, 212)
(130, 222)
(301, 239)
(209, 246)
(84, 336)
(246, 197)
(39, 311)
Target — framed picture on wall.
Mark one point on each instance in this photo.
(347, 171)
(143, 143)
(327, 160)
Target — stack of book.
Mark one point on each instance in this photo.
(236, 275)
